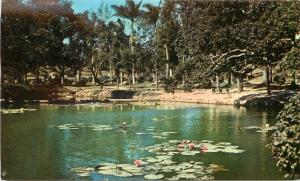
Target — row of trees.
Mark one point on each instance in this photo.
(193, 42)
(230, 38)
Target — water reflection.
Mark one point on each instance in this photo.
(34, 148)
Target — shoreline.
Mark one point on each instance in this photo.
(250, 98)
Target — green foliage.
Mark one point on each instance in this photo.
(285, 142)
(187, 87)
(170, 84)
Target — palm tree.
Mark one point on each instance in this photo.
(130, 11)
(151, 16)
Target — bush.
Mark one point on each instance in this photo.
(279, 79)
(187, 87)
(285, 144)
(170, 84)
(140, 79)
(83, 81)
(148, 78)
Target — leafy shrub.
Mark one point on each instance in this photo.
(188, 87)
(83, 81)
(149, 78)
(170, 84)
(279, 79)
(140, 79)
(285, 144)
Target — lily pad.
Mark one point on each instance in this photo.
(252, 127)
(224, 143)
(190, 152)
(159, 137)
(166, 162)
(174, 141)
(173, 178)
(186, 176)
(152, 160)
(164, 157)
(154, 176)
(123, 174)
(190, 170)
(85, 174)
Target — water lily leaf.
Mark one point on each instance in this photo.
(152, 160)
(223, 144)
(173, 178)
(174, 141)
(166, 162)
(186, 176)
(163, 157)
(190, 152)
(252, 127)
(154, 176)
(85, 174)
(159, 137)
(190, 170)
(123, 174)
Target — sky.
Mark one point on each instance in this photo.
(82, 5)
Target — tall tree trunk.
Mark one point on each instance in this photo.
(118, 81)
(167, 70)
(25, 78)
(268, 80)
(133, 74)
(156, 78)
(239, 83)
(270, 75)
(62, 79)
(38, 74)
(229, 79)
(95, 75)
(78, 77)
(265, 72)
(121, 77)
(129, 80)
(167, 64)
(110, 72)
(93, 70)
(171, 72)
(217, 84)
(132, 50)
(232, 77)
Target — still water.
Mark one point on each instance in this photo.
(33, 147)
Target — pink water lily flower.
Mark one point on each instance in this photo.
(191, 145)
(204, 149)
(138, 163)
(181, 146)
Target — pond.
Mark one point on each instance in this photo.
(53, 140)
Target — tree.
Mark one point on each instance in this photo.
(167, 32)
(130, 11)
(285, 143)
(151, 17)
